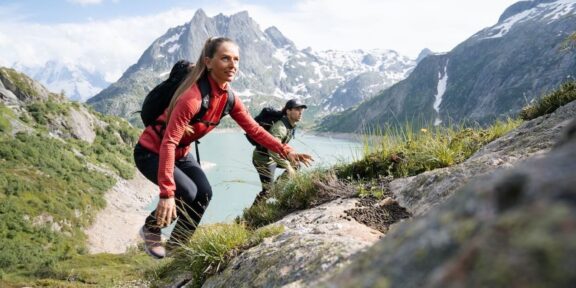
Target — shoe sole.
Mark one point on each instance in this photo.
(150, 253)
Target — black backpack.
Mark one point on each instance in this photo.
(159, 98)
(266, 118)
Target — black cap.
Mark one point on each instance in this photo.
(294, 103)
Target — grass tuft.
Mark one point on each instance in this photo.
(209, 251)
(302, 191)
(406, 152)
(550, 102)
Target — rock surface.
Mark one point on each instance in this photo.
(419, 193)
(314, 243)
(515, 227)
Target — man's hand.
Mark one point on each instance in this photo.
(165, 211)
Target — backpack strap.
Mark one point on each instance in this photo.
(289, 127)
(205, 91)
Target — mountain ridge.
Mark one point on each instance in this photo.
(491, 75)
(272, 68)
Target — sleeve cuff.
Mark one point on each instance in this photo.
(286, 150)
(166, 194)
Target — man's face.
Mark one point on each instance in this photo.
(295, 114)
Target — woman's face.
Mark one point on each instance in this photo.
(224, 65)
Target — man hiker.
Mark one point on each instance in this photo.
(266, 161)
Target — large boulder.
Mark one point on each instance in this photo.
(314, 244)
(419, 193)
(515, 227)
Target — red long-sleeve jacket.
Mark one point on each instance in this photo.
(175, 143)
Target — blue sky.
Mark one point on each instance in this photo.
(110, 35)
(59, 11)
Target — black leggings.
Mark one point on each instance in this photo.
(193, 192)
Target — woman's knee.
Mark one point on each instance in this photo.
(206, 193)
(193, 192)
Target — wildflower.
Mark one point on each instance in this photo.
(424, 130)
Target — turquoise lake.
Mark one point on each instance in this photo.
(227, 161)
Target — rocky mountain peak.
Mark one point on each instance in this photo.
(279, 40)
(491, 75)
(272, 68)
(425, 52)
(199, 16)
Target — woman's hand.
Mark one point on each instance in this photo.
(165, 211)
(305, 159)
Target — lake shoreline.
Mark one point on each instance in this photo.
(340, 136)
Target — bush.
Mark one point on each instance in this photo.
(43, 182)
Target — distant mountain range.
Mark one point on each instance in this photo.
(492, 74)
(272, 69)
(76, 82)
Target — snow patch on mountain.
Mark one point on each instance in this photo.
(174, 48)
(172, 38)
(441, 89)
(547, 12)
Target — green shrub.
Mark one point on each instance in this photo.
(550, 102)
(44, 111)
(5, 115)
(43, 182)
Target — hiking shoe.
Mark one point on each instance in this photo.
(152, 243)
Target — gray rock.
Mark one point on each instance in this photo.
(511, 228)
(315, 243)
(419, 193)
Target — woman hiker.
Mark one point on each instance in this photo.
(162, 153)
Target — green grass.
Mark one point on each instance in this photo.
(209, 251)
(570, 42)
(405, 152)
(99, 270)
(5, 115)
(289, 195)
(550, 102)
(397, 153)
(48, 193)
(44, 184)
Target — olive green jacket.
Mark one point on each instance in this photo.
(283, 131)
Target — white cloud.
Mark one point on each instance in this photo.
(85, 2)
(109, 46)
(112, 46)
(405, 26)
